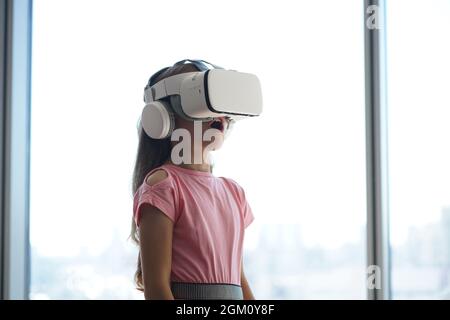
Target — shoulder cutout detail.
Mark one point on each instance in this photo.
(156, 177)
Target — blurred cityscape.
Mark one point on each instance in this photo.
(421, 268)
(279, 267)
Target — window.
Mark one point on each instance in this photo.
(418, 101)
(301, 163)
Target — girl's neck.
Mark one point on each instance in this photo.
(205, 167)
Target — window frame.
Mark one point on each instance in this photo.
(15, 71)
(376, 150)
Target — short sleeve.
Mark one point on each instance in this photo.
(246, 210)
(248, 213)
(162, 195)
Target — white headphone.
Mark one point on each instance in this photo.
(157, 119)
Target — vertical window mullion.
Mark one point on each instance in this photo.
(15, 81)
(376, 149)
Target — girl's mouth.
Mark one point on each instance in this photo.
(217, 124)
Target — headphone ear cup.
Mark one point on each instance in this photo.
(157, 120)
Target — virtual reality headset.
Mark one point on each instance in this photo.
(202, 95)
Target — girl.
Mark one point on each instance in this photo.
(188, 223)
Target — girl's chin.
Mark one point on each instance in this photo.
(207, 147)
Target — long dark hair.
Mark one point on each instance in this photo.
(151, 154)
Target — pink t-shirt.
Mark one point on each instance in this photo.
(209, 214)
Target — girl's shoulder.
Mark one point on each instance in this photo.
(161, 175)
(156, 176)
(233, 185)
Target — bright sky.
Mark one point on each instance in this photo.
(302, 161)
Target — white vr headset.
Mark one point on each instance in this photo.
(203, 95)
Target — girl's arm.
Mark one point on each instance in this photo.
(155, 237)
(247, 292)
